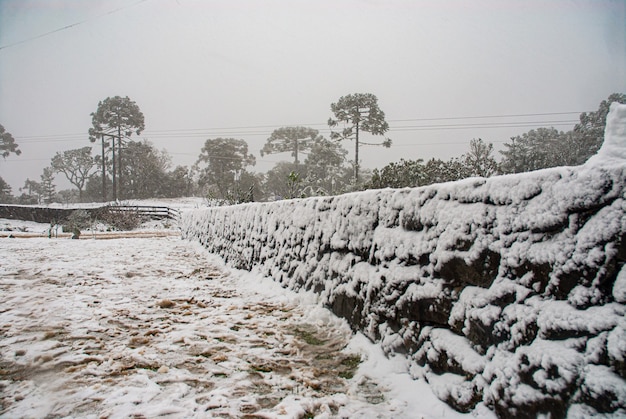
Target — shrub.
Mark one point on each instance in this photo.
(122, 220)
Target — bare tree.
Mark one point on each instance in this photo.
(76, 165)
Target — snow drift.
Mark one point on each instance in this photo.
(509, 291)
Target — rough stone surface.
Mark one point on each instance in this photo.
(37, 214)
(507, 290)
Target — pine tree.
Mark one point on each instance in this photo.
(48, 188)
(358, 112)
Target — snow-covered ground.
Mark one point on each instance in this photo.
(18, 226)
(30, 229)
(158, 327)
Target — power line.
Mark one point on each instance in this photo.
(262, 130)
(214, 156)
(440, 143)
(256, 127)
(465, 124)
(244, 127)
(205, 135)
(489, 116)
(23, 41)
(22, 160)
(481, 126)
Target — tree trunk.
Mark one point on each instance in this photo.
(356, 156)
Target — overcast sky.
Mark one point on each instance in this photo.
(201, 69)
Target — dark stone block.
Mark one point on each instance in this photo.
(605, 399)
(463, 245)
(393, 220)
(440, 362)
(621, 248)
(427, 310)
(484, 335)
(554, 407)
(411, 222)
(555, 227)
(556, 400)
(460, 402)
(564, 282)
(541, 274)
(349, 307)
(480, 272)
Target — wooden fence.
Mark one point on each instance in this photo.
(152, 212)
(58, 215)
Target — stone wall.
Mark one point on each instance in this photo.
(509, 291)
(42, 214)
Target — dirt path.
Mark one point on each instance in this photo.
(150, 328)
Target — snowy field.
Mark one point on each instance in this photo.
(157, 327)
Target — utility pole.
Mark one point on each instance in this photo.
(119, 153)
(114, 169)
(104, 177)
(113, 137)
(356, 154)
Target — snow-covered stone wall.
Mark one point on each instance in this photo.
(509, 291)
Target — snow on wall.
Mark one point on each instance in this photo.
(508, 290)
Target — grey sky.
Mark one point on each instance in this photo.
(203, 69)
